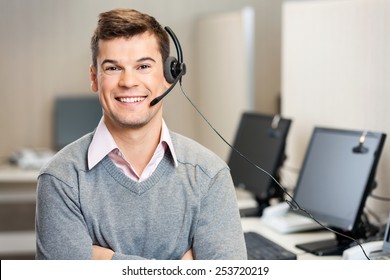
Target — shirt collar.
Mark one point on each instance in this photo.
(166, 137)
(103, 143)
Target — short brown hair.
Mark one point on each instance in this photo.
(127, 23)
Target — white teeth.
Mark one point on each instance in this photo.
(131, 99)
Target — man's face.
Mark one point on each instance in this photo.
(129, 75)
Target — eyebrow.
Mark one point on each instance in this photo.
(142, 59)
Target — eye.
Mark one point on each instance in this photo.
(144, 67)
(111, 68)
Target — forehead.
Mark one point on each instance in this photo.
(133, 48)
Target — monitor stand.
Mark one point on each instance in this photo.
(330, 247)
(274, 192)
(255, 211)
(336, 246)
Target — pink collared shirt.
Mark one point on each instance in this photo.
(104, 144)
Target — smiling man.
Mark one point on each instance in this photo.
(133, 189)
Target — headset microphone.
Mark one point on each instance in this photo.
(157, 99)
(174, 69)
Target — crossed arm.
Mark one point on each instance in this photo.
(101, 253)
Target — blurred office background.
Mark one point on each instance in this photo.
(45, 53)
(318, 62)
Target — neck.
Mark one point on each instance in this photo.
(138, 144)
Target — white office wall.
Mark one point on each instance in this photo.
(336, 73)
(224, 74)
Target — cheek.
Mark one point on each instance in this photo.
(106, 83)
(105, 88)
(158, 82)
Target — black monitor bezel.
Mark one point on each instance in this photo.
(279, 135)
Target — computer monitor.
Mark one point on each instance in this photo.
(262, 139)
(337, 175)
(74, 116)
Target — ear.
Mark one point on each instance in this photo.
(93, 78)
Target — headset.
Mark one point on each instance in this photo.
(174, 69)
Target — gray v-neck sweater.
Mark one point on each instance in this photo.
(192, 205)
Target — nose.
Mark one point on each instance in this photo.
(128, 79)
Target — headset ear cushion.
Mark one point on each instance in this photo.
(170, 66)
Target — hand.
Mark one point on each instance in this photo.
(188, 255)
(101, 253)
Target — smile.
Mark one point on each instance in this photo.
(130, 99)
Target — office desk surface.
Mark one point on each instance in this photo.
(13, 174)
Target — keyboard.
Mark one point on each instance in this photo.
(261, 248)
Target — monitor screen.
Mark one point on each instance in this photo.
(261, 138)
(74, 117)
(337, 175)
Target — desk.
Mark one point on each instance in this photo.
(288, 241)
(17, 211)
(13, 174)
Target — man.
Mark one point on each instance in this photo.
(133, 189)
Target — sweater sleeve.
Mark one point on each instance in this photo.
(61, 230)
(219, 233)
